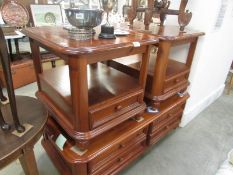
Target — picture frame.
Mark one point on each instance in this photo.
(46, 15)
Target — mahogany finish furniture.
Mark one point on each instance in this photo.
(166, 77)
(96, 104)
(154, 7)
(86, 97)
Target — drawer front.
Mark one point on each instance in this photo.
(111, 154)
(101, 115)
(120, 159)
(163, 120)
(156, 135)
(175, 82)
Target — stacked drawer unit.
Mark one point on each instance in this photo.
(96, 113)
(107, 154)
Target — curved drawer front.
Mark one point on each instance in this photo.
(113, 154)
(107, 112)
(175, 82)
(120, 160)
(154, 137)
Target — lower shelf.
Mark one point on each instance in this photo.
(176, 78)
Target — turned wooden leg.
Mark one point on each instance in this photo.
(28, 162)
(230, 84)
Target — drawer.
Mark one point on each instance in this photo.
(120, 160)
(102, 114)
(156, 135)
(164, 119)
(110, 155)
(175, 82)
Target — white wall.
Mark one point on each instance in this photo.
(213, 55)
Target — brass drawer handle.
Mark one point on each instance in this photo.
(177, 80)
(121, 146)
(171, 115)
(120, 159)
(118, 107)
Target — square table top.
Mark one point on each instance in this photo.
(57, 38)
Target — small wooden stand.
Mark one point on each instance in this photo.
(166, 77)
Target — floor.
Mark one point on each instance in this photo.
(197, 149)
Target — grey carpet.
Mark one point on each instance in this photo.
(197, 149)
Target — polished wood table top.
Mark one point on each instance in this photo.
(57, 38)
(30, 111)
(167, 32)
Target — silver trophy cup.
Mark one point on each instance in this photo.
(107, 31)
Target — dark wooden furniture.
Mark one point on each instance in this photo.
(19, 112)
(22, 73)
(154, 7)
(13, 147)
(88, 98)
(166, 77)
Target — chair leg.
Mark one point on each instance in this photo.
(28, 162)
(2, 97)
(53, 62)
(230, 84)
(5, 126)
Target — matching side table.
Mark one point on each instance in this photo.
(166, 77)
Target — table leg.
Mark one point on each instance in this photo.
(5, 126)
(18, 56)
(28, 162)
(53, 62)
(8, 77)
(2, 97)
(10, 49)
(160, 72)
(36, 61)
(79, 92)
